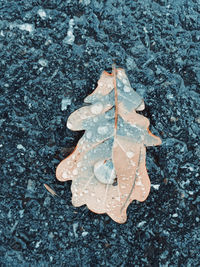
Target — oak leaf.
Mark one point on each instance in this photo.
(107, 167)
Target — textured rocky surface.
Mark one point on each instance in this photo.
(52, 53)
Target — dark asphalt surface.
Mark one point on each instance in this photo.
(51, 55)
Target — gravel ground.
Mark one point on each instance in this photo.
(52, 54)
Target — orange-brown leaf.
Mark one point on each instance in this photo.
(107, 168)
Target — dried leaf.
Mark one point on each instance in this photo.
(107, 168)
(51, 191)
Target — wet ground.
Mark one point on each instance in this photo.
(52, 54)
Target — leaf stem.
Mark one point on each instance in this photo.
(114, 71)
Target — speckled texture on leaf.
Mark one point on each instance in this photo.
(107, 168)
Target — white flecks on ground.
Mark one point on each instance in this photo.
(191, 168)
(174, 215)
(84, 2)
(84, 234)
(21, 147)
(130, 63)
(70, 36)
(38, 244)
(2, 33)
(65, 103)
(75, 226)
(97, 108)
(184, 183)
(169, 96)
(31, 185)
(155, 186)
(9, 214)
(43, 62)
(145, 29)
(25, 27)
(42, 13)
(140, 224)
(48, 42)
(51, 235)
(47, 201)
(21, 213)
(14, 226)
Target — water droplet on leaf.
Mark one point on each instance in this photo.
(96, 108)
(102, 129)
(105, 172)
(127, 89)
(129, 154)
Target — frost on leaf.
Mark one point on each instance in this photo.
(107, 167)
